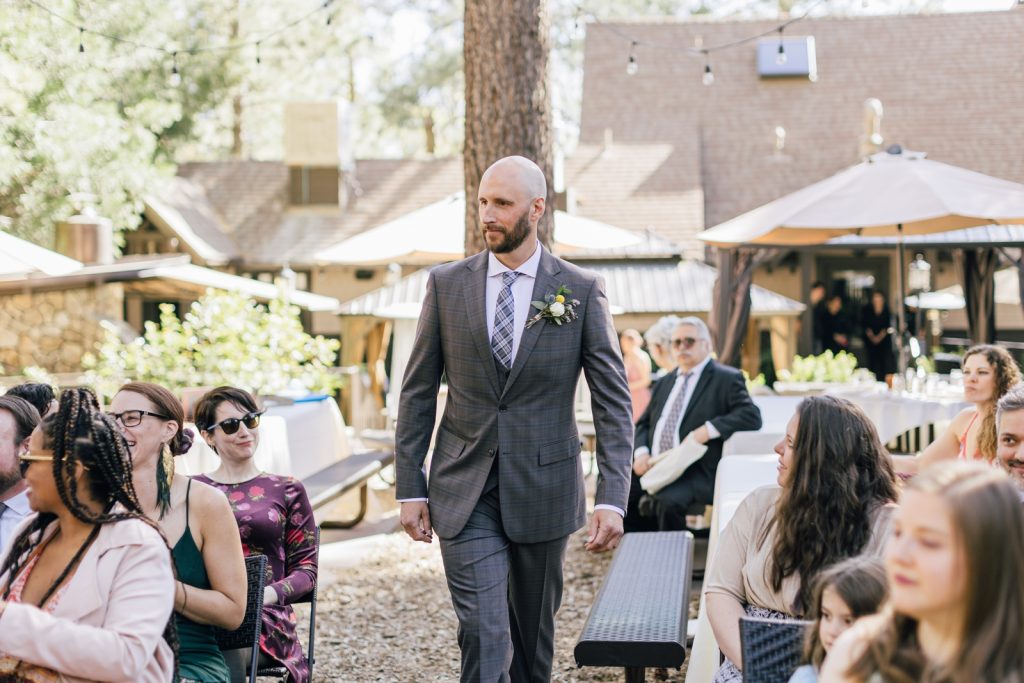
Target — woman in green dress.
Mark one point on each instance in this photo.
(197, 521)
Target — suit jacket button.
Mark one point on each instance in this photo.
(502, 408)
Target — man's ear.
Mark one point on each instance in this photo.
(23, 446)
(537, 208)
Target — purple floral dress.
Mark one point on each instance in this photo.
(275, 519)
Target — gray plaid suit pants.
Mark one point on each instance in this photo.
(505, 595)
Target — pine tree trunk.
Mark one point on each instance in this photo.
(508, 104)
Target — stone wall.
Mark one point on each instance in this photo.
(53, 329)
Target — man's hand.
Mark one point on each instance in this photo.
(415, 518)
(641, 464)
(605, 531)
(700, 434)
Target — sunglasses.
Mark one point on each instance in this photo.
(685, 342)
(39, 456)
(133, 418)
(231, 425)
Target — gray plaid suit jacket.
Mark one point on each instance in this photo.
(530, 425)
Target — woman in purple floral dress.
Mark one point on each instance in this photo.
(274, 519)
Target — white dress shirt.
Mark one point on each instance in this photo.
(695, 374)
(16, 509)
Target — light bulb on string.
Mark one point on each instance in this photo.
(632, 67)
(781, 57)
(81, 44)
(709, 76)
(175, 79)
(258, 60)
(327, 4)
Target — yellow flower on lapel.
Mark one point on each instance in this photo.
(557, 308)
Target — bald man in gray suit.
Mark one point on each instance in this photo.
(505, 488)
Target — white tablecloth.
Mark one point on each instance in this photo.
(295, 440)
(735, 479)
(895, 413)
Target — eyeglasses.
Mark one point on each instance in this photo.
(39, 456)
(133, 418)
(230, 425)
(685, 342)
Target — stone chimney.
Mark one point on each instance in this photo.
(86, 236)
(315, 147)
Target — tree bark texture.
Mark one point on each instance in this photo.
(508, 103)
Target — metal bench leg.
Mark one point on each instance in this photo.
(635, 674)
(349, 523)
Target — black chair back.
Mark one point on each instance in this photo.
(248, 634)
(771, 648)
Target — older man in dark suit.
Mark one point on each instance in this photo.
(506, 485)
(702, 398)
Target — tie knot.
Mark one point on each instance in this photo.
(509, 277)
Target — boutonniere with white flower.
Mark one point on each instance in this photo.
(557, 307)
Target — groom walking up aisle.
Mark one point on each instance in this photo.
(505, 489)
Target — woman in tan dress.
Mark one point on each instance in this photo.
(835, 494)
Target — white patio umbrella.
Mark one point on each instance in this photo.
(436, 233)
(19, 257)
(890, 193)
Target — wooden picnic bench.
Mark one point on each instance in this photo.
(337, 479)
(638, 620)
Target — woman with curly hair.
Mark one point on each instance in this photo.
(197, 520)
(989, 372)
(835, 494)
(86, 587)
(956, 601)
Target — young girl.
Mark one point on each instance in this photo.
(956, 602)
(842, 594)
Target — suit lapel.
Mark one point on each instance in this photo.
(475, 290)
(702, 383)
(545, 283)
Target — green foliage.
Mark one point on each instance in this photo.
(224, 338)
(823, 368)
(752, 384)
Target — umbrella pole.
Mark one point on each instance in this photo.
(901, 321)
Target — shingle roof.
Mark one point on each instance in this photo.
(661, 287)
(250, 199)
(951, 85)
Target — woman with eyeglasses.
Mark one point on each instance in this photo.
(274, 517)
(197, 520)
(86, 586)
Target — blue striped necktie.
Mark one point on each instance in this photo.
(504, 318)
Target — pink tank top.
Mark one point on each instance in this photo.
(962, 455)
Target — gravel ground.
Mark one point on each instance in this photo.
(389, 618)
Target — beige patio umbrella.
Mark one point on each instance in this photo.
(891, 193)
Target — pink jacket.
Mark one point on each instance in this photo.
(109, 624)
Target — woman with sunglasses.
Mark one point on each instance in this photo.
(197, 520)
(86, 587)
(274, 517)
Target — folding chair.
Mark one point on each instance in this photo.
(248, 634)
(280, 671)
(771, 648)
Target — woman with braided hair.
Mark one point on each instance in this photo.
(197, 520)
(86, 587)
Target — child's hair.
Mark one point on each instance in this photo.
(860, 582)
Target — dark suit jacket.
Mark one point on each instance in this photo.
(720, 397)
(529, 425)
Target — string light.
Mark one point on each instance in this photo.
(81, 43)
(329, 15)
(632, 67)
(780, 58)
(175, 75)
(708, 77)
(258, 60)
